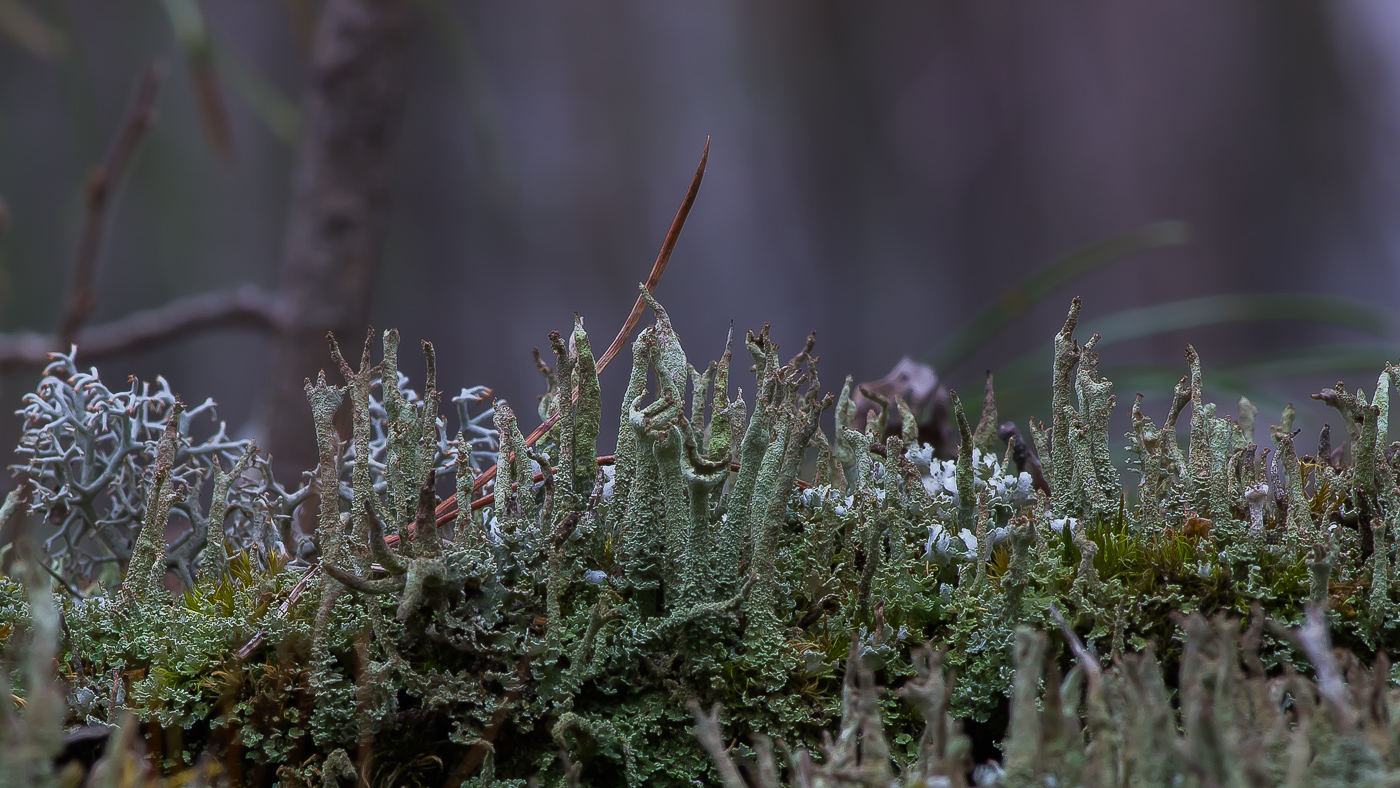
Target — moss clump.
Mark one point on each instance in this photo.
(553, 623)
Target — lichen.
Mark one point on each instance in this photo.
(558, 631)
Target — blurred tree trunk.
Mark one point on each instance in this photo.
(339, 212)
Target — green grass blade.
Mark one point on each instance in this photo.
(192, 34)
(30, 31)
(1021, 299)
(1032, 368)
(454, 41)
(277, 112)
(1332, 359)
(1246, 308)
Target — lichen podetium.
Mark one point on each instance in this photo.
(573, 629)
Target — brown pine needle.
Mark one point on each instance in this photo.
(448, 507)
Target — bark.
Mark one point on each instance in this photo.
(339, 213)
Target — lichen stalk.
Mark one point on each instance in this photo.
(1247, 413)
(357, 384)
(214, 554)
(967, 502)
(513, 467)
(983, 547)
(1146, 446)
(721, 443)
(1367, 450)
(1096, 403)
(1381, 608)
(984, 438)
(845, 419)
(1300, 523)
(1061, 393)
(625, 455)
(565, 494)
(146, 570)
(464, 528)
(1223, 435)
(753, 454)
(587, 410)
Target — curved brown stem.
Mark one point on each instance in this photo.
(657, 268)
(386, 586)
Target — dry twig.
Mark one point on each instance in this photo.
(101, 184)
(247, 305)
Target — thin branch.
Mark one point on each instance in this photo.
(101, 184)
(247, 305)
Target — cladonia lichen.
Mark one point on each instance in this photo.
(558, 621)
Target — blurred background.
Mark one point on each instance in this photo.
(881, 173)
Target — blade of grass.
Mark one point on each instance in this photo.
(278, 113)
(29, 30)
(1032, 368)
(456, 45)
(1331, 359)
(1047, 281)
(192, 33)
(1244, 308)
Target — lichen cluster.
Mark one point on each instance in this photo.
(1116, 726)
(557, 625)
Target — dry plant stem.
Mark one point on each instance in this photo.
(248, 306)
(286, 606)
(447, 508)
(662, 258)
(101, 184)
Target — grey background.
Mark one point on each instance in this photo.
(878, 172)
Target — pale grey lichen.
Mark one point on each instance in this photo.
(89, 455)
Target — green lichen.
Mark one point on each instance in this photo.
(558, 633)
